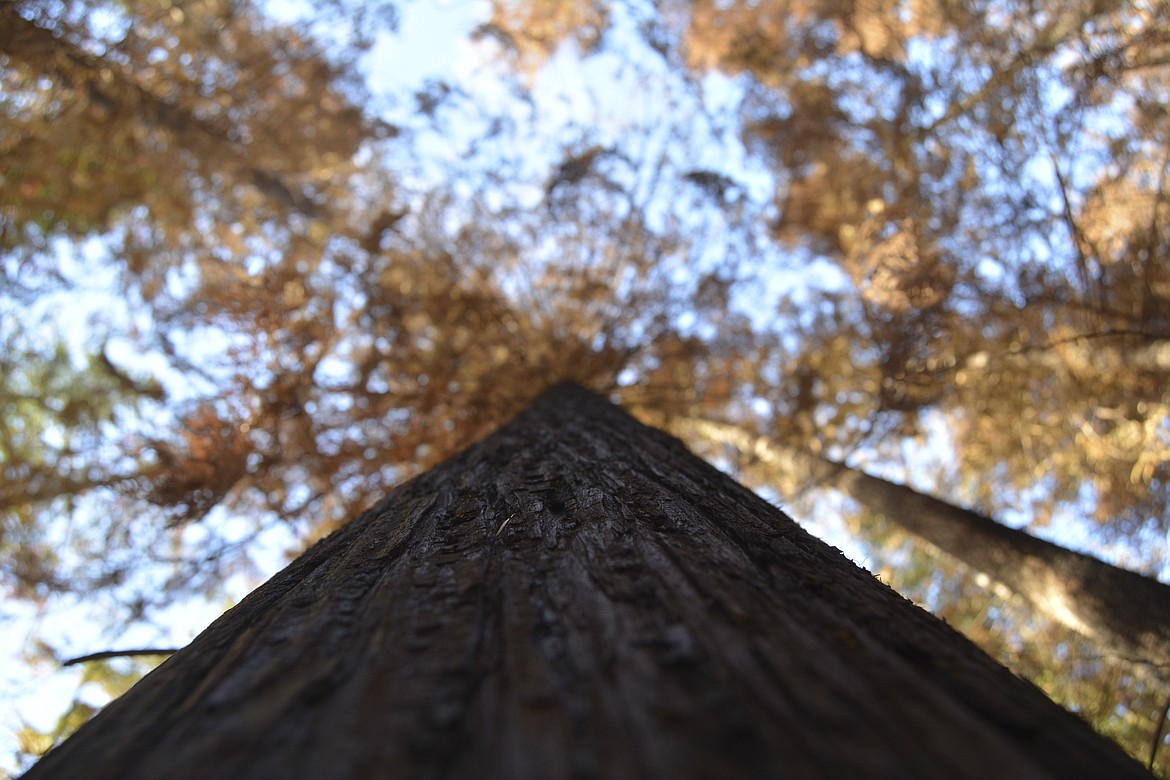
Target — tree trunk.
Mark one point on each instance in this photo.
(1124, 612)
(578, 595)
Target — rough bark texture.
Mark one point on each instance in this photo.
(1124, 612)
(578, 595)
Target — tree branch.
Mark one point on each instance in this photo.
(119, 654)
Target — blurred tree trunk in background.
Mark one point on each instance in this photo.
(1124, 612)
(579, 595)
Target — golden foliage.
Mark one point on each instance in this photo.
(533, 31)
(198, 473)
(900, 271)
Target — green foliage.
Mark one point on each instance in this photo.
(57, 415)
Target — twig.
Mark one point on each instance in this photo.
(507, 520)
(119, 654)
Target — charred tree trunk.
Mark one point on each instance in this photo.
(578, 595)
(1126, 613)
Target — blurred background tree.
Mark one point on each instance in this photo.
(246, 286)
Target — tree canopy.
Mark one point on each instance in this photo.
(257, 266)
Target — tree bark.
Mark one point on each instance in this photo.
(1126, 613)
(578, 595)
